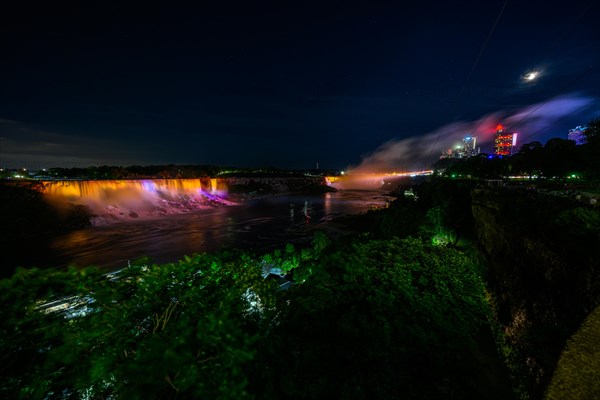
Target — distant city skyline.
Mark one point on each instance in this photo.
(466, 147)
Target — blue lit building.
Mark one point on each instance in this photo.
(466, 148)
(577, 135)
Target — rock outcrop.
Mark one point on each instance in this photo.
(543, 259)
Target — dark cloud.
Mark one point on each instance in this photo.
(26, 146)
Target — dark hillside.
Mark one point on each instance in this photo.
(543, 256)
(28, 221)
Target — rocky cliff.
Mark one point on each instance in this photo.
(543, 259)
(241, 188)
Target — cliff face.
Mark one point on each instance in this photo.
(543, 256)
(241, 188)
(28, 222)
(25, 214)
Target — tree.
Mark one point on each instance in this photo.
(378, 319)
(559, 158)
(367, 319)
(592, 133)
(176, 330)
(590, 152)
(528, 160)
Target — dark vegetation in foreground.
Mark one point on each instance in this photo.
(467, 293)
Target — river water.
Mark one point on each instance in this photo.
(258, 225)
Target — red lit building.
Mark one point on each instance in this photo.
(504, 142)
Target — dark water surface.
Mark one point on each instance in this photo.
(259, 225)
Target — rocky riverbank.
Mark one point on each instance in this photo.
(246, 188)
(543, 272)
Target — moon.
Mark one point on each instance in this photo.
(530, 76)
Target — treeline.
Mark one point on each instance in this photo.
(136, 172)
(156, 172)
(558, 159)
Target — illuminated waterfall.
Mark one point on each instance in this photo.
(354, 182)
(117, 200)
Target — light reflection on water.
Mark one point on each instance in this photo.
(257, 225)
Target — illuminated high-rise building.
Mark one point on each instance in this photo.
(465, 149)
(468, 146)
(504, 142)
(578, 135)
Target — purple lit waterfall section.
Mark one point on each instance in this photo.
(121, 200)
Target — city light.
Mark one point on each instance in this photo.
(504, 142)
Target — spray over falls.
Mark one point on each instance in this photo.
(120, 200)
(373, 181)
(417, 153)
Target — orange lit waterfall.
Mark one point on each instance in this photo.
(370, 181)
(116, 200)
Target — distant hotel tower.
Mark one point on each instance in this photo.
(504, 142)
(463, 150)
(577, 135)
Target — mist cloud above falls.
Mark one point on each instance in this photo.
(419, 152)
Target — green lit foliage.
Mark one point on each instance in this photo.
(286, 260)
(378, 319)
(440, 234)
(365, 319)
(310, 257)
(182, 329)
(448, 211)
(26, 334)
(299, 262)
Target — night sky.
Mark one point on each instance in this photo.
(289, 84)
